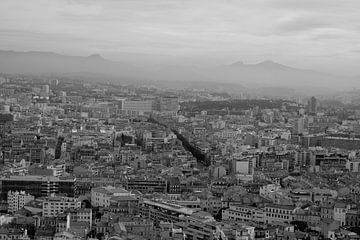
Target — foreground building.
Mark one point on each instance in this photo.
(55, 205)
(39, 186)
(17, 200)
(101, 196)
(158, 211)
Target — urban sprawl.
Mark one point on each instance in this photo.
(89, 160)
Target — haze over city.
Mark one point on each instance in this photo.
(322, 35)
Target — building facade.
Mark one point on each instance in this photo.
(17, 200)
(53, 206)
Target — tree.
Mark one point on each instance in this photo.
(100, 236)
(300, 226)
(58, 147)
(218, 215)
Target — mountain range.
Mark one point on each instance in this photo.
(262, 77)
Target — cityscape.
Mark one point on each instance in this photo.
(97, 148)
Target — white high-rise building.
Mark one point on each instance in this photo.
(17, 200)
(243, 168)
(300, 126)
(100, 197)
(46, 89)
(138, 107)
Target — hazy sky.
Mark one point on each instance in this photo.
(318, 34)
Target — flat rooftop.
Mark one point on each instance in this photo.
(36, 178)
(171, 207)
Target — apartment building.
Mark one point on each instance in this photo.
(55, 205)
(101, 196)
(243, 213)
(198, 226)
(160, 211)
(279, 213)
(147, 185)
(17, 200)
(39, 186)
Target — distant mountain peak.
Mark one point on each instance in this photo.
(269, 63)
(263, 74)
(238, 63)
(95, 56)
(264, 64)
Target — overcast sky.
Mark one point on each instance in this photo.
(317, 34)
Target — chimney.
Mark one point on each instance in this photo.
(68, 222)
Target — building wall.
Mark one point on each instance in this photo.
(244, 214)
(17, 200)
(38, 186)
(138, 106)
(54, 206)
(340, 214)
(161, 211)
(99, 198)
(279, 213)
